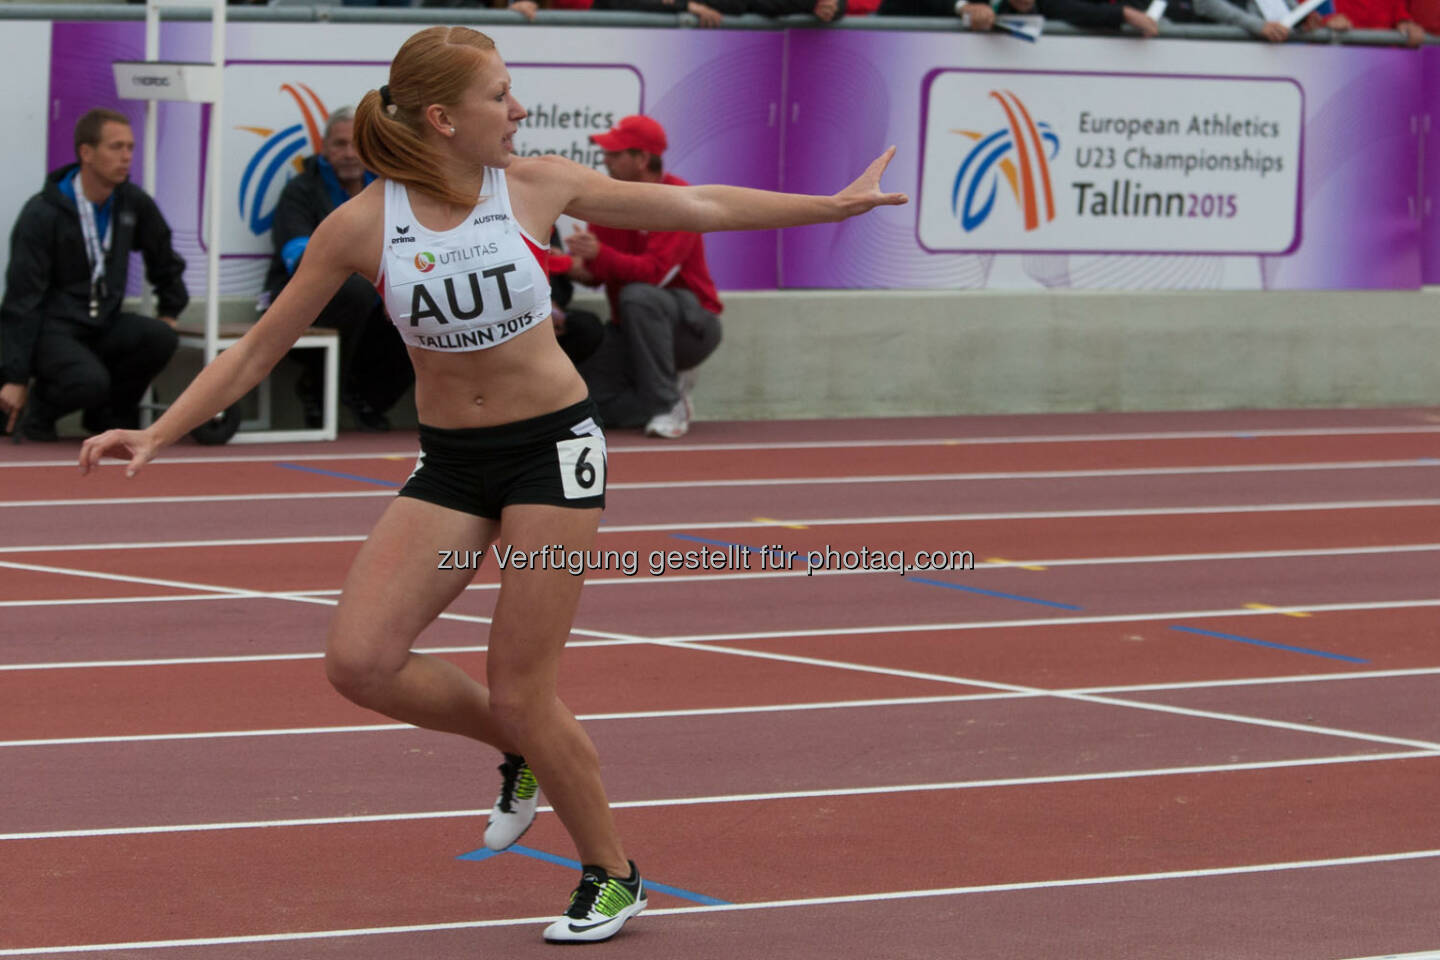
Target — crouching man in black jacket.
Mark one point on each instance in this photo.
(60, 321)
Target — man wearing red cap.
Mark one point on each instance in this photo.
(664, 313)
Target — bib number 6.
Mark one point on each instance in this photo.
(582, 467)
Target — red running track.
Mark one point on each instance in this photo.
(1189, 753)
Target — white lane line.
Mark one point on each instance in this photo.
(410, 453)
(877, 897)
(91, 601)
(605, 639)
(1247, 508)
(703, 638)
(1113, 473)
(201, 498)
(1219, 556)
(587, 718)
(1262, 681)
(183, 544)
(742, 710)
(235, 592)
(784, 795)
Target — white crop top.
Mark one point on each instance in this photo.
(470, 288)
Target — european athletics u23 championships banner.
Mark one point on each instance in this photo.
(1089, 162)
(1071, 162)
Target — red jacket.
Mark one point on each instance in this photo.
(1373, 14)
(1427, 14)
(673, 259)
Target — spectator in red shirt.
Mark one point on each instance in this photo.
(664, 312)
(1376, 15)
(1427, 14)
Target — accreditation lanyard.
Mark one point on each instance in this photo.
(96, 249)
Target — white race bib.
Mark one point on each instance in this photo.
(582, 466)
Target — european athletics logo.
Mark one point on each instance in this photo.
(1028, 174)
(280, 147)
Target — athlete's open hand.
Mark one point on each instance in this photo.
(865, 194)
(141, 446)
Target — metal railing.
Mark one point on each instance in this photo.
(335, 13)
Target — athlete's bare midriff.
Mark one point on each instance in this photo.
(525, 377)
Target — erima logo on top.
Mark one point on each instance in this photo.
(402, 238)
(1028, 175)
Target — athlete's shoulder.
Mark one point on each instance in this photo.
(548, 169)
(353, 229)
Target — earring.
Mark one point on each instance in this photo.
(452, 131)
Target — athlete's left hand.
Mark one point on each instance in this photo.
(865, 194)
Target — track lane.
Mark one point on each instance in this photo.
(405, 771)
(1328, 912)
(322, 566)
(116, 701)
(559, 880)
(643, 464)
(300, 878)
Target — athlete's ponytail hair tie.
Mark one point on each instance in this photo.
(385, 100)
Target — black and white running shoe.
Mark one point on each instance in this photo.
(599, 907)
(514, 808)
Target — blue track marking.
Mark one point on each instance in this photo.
(725, 543)
(993, 593)
(1267, 643)
(343, 476)
(800, 558)
(485, 854)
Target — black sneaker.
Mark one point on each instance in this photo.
(599, 907)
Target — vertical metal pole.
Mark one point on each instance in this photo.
(212, 177)
(151, 132)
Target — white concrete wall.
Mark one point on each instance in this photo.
(25, 52)
(885, 353)
(869, 353)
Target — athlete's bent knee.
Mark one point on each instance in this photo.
(357, 676)
(519, 716)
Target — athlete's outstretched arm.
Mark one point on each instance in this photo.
(236, 371)
(595, 198)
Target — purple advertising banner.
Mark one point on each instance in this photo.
(1430, 174)
(1073, 162)
(1265, 168)
(716, 94)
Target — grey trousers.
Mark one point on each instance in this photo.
(659, 332)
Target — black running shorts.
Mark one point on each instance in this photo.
(557, 458)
